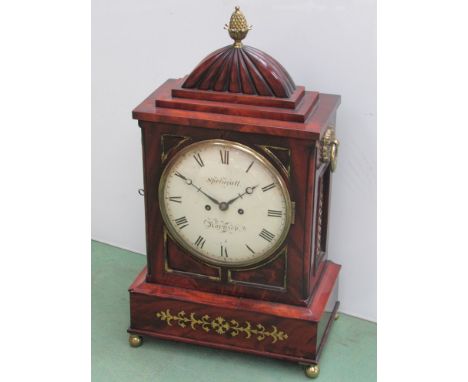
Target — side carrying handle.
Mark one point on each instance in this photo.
(329, 148)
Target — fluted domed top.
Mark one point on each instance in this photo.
(241, 70)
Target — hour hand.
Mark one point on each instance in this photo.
(248, 190)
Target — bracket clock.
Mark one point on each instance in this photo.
(237, 166)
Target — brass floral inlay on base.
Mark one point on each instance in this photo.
(222, 326)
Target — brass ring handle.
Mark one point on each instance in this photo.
(329, 148)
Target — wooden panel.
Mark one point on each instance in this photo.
(207, 95)
(309, 130)
(251, 330)
(258, 327)
(299, 114)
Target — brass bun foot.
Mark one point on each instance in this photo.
(135, 340)
(337, 316)
(312, 371)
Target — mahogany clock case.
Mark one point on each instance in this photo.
(279, 308)
(284, 306)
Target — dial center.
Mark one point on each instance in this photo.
(223, 206)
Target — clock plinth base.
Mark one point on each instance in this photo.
(286, 332)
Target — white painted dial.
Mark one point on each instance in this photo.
(224, 203)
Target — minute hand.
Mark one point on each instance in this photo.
(204, 193)
(190, 183)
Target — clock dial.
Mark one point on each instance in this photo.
(225, 203)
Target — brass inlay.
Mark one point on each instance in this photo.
(220, 325)
(271, 154)
(164, 151)
(238, 27)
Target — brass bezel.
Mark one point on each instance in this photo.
(199, 255)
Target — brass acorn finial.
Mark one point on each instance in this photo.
(237, 27)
